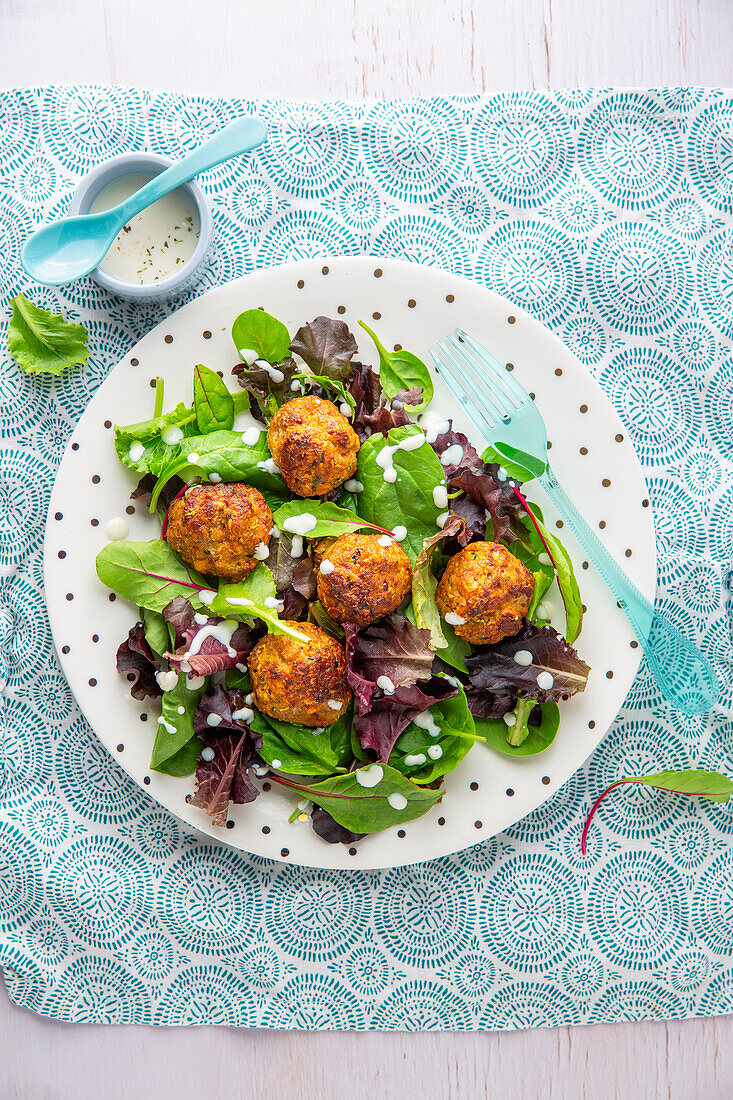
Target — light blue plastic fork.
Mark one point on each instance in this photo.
(510, 421)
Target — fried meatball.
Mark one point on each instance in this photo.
(363, 579)
(221, 530)
(300, 681)
(314, 446)
(484, 593)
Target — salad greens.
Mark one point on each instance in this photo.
(401, 370)
(422, 695)
(42, 342)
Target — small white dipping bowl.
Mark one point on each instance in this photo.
(132, 164)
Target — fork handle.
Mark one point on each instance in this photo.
(684, 676)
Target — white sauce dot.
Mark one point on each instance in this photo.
(396, 800)
(544, 559)
(426, 721)
(117, 529)
(453, 619)
(435, 752)
(277, 764)
(167, 725)
(335, 704)
(270, 465)
(510, 717)
(136, 452)
(181, 710)
(207, 754)
(442, 519)
(440, 427)
(262, 551)
(386, 685)
(171, 435)
(440, 496)
(385, 540)
(300, 525)
(369, 777)
(501, 474)
(399, 533)
(250, 437)
(545, 680)
(244, 714)
(213, 720)
(296, 549)
(326, 567)
(215, 478)
(353, 486)
(202, 620)
(416, 759)
(248, 355)
(193, 683)
(273, 603)
(345, 409)
(295, 385)
(523, 657)
(207, 596)
(452, 456)
(166, 680)
(193, 458)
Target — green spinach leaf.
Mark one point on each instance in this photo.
(261, 333)
(300, 750)
(149, 574)
(538, 738)
(330, 519)
(225, 457)
(408, 501)
(364, 806)
(401, 370)
(212, 401)
(424, 757)
(42, 342)
(175, 729)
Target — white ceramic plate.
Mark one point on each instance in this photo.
(413, 306)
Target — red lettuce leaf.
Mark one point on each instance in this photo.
(394, 648)
(225, 778)
(473, 515)
(213, 655)
(469, 459)
(137, 663)
(143, 491)
(330, 830)
(390, 715)
(374, 412)
(327, 346)
(492, 668)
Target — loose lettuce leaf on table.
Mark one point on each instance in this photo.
(42, 342)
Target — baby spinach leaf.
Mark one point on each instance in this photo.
(540, 543)
(261, 333)
(694, 781)
(408, 501)
(225, 456)
(212, 401)
(432, 756)
(42, 342)
(184, 762)
(248, 600)
(156, 631)
(364, 807)
(149, 574)
(401, 370)
(175, 729)
(424, 583)
(331, 520)
(537, 739)
(300, 750)
(327, 347)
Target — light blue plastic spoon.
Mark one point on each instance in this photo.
(508, 418)
(71, 248)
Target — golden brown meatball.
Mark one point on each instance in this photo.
(300, 681)
(360, 580)
(219, 528)
(484, 593)
(314, 446)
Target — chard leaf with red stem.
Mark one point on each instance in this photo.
(694, 781)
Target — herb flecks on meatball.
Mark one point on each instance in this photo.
(314, 445)
(484, 593)
(221, 530)
(362, 577)
(300, 681)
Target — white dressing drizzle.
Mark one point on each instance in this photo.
(335, 704)
(369, 777)
(262, 551)
(326, 567)
(300, 525)
(167, 726)
(213, 720)
(523, 657)
(171, 435)
(221, 632)
(117, 529)
(435, 752)
(353, 486)
(545, 680)
(426, 721)
(386, 685)
(166, 680)
(440, 496)
(207, 754)
(396, 800)
(416, 759)
(207, 596)
(136, 452)
(453, 619)
(452, 456)
(250, 436)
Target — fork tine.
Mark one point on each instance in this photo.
(475, 412)
(518, 392)
(485, 380)
(472, 385)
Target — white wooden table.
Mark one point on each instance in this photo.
(336, 49)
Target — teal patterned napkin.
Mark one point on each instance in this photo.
(609, 216)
